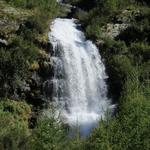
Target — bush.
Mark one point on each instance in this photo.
(135, 33)
(111, 47)
(26, 48)
(93, 31)
(128, 130)
(48, 135)
(14, 130)
(12, 69)
(119, 68)
(141, 52)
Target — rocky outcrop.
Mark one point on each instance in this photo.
(120, 23)
(127, 16)
(113, 30)
(3, 42)
(10, 20)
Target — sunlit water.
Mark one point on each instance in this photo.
(79, 88)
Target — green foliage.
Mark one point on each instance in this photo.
(13, 124)
(48, 135)
(14, 64)
(15, 59)
(42, 10)
(131, 34)
(141, 52)
(28, 49)
(129, 129)
(20, 110)
(15, 134)
(120, 68)
(107, 6)
(12, 69)
(93, 31)
(46, 4)
(113, 47)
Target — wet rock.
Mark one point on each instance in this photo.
(36, 78)
(25, 86)
(45, 70)
(48, 88)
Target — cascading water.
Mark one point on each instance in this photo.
(79, 88)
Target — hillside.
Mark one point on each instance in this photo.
(120, 30)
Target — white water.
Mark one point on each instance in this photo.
(79, 88)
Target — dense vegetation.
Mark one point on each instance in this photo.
(21, 56)
(127, 59)
(26, 44)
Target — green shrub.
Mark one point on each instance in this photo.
(93, 31)
(112, 47)
(12, 69)
(14, 130)
(141, 52)
(48, 135)
(119, 68)
(27, 49)
(128, 130)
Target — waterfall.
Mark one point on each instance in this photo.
(79, 88)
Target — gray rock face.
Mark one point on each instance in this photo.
(10, 19)
(121, 23)
(10, 10)
(67, 7)
(3, 42)
(8, 26)
(36, 78)
(25, 86)
(113, 30)
(127, 16)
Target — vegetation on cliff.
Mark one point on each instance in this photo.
(23, 55)
(24, 41)
(121, 30)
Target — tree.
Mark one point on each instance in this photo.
(48, 135)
